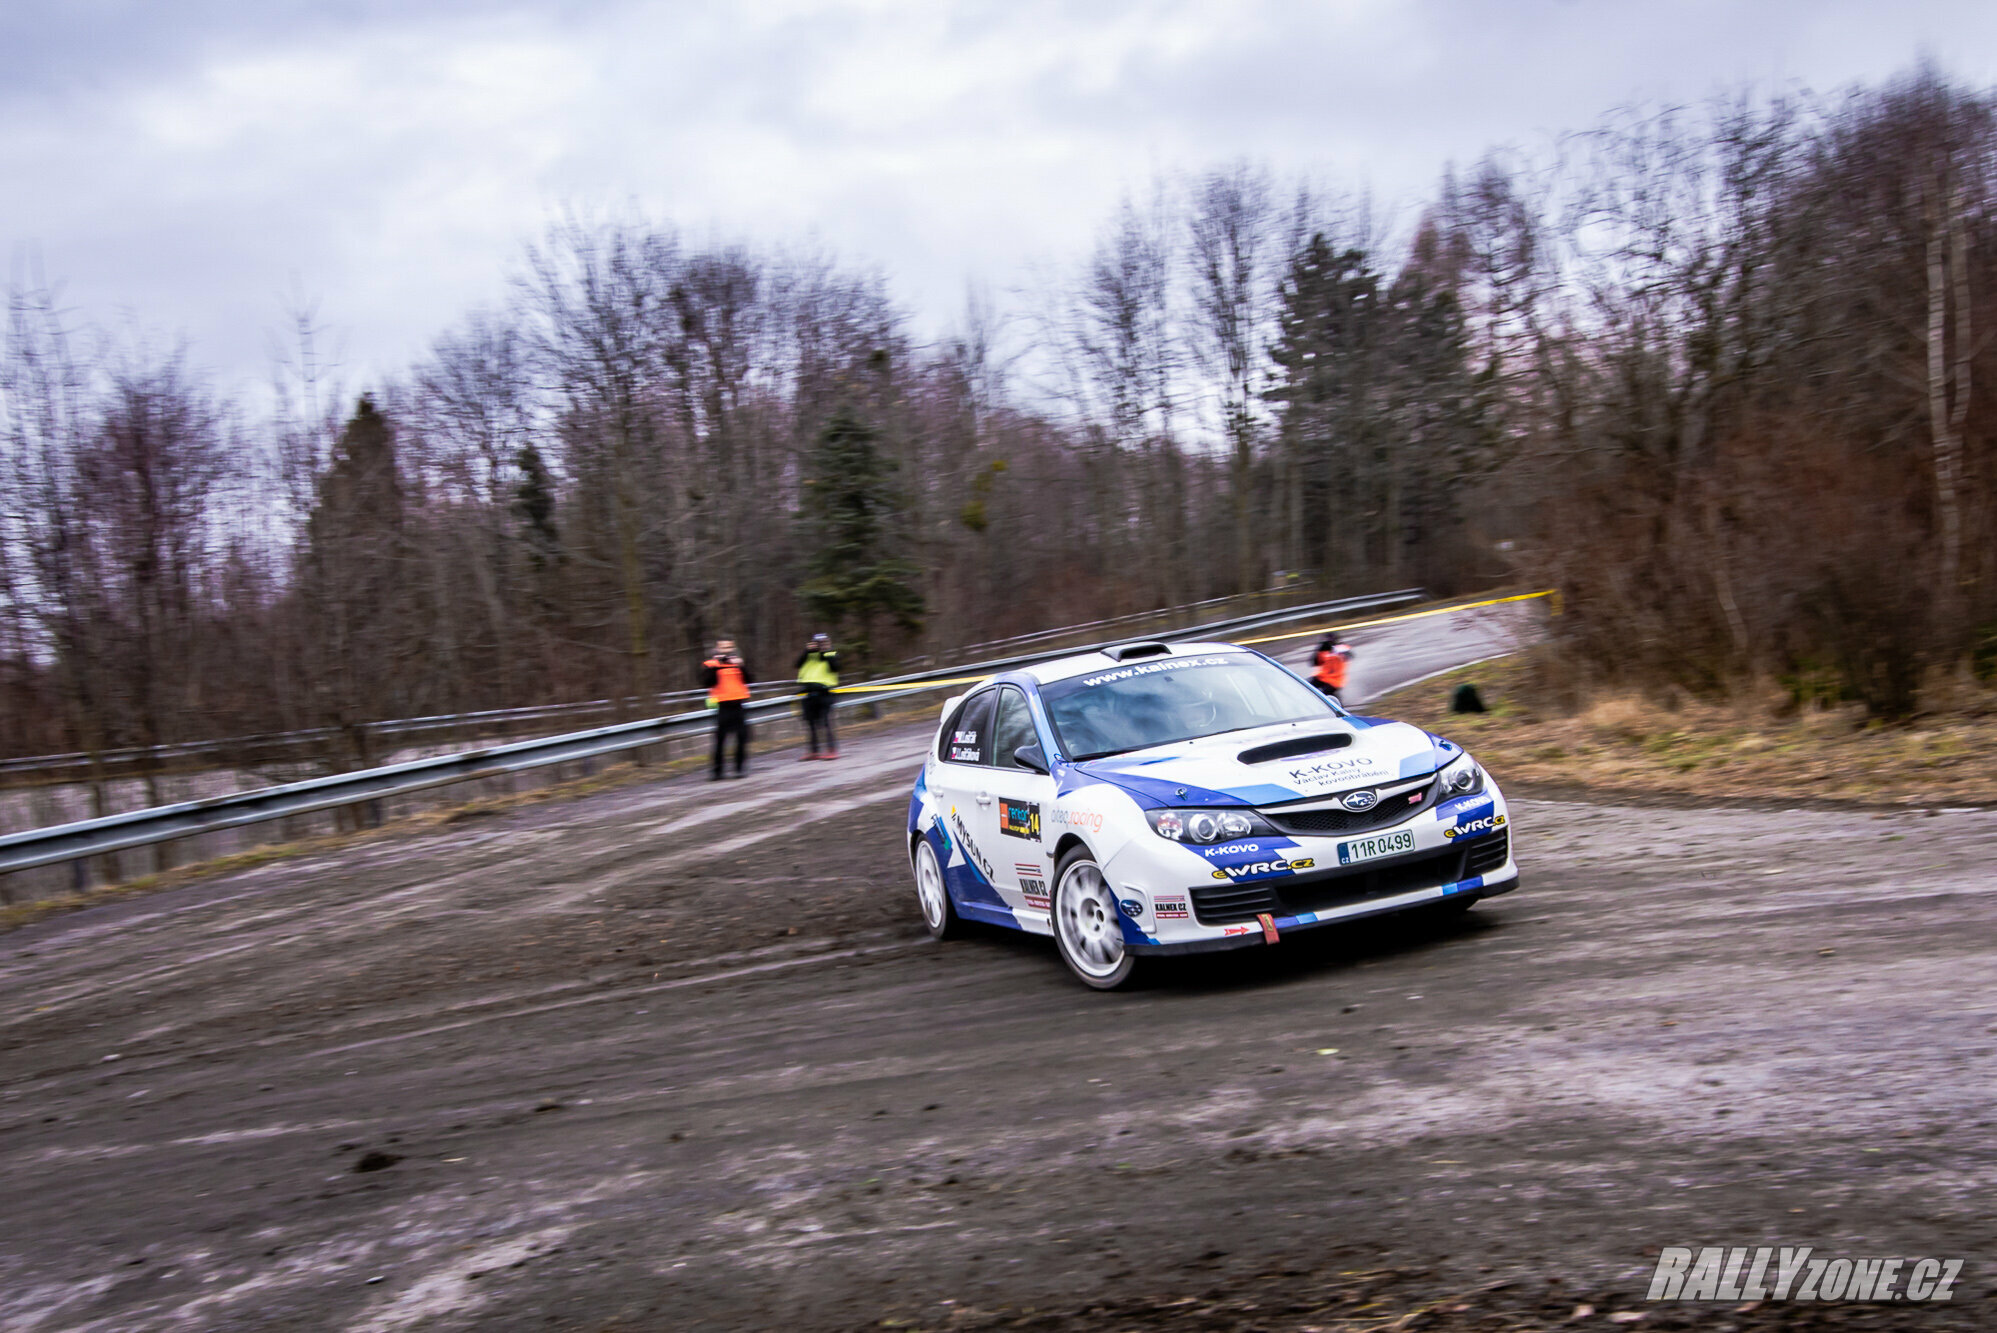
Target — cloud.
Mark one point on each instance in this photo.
(194, 163)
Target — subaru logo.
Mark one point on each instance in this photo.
(1360, 800)
(1132, 908)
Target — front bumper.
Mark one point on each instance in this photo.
(1181, 900)
(1242, 936)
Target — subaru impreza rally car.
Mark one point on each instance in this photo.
(1160, 798)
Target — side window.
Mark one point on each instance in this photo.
(1012, 728)
(967, 739)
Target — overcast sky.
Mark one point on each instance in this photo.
(185, 167)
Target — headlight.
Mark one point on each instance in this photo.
(1462, 778)
(1202, 826)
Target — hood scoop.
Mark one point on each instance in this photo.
(1296, 745)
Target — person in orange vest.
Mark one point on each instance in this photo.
(727, 679)
(1331, 660)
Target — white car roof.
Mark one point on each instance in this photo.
(1088, 663)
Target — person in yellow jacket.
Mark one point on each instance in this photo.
(727, 679)
(818, 672)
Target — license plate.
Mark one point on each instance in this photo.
(1365, 849)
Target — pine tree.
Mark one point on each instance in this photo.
(534, 506)
(849, 504)
(352, 579)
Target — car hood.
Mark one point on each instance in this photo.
(1260, 766)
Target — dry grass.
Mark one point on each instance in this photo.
(1753, 748)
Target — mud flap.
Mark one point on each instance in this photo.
(1269, 935)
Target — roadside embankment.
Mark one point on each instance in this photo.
(1753, 750)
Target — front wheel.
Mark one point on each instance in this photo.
(938, 915)
(1086, 925)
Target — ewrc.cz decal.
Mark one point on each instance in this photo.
(1265, 868)
(1019, 819)
(970, 848)
(1487, 824)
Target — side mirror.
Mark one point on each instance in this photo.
(1030, 756)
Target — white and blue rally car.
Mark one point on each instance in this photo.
(1160, 798)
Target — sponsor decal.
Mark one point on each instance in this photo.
(1265, 868)
(1471, 806)
(1091, 820)
(1033, 883)
(1169, 909)
(1230, 849)
(964, 748)
(1471, 828)
(1797, 1273)
(977, 857)
(1150, 668)
(1132, 908)
(1019, 819)
(1338, 772)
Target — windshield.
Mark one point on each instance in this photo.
(1167, 699)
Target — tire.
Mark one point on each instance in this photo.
(939, 915)
(1088, 928)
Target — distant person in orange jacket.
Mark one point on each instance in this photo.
(727, 679)
(1331, 660)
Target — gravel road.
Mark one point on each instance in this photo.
(677, 1056)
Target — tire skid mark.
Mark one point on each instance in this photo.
(498, 850)
(524, 1002)
(627, 993)
(367, 913)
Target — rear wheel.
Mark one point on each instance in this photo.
(937, 913)
(1086, 925)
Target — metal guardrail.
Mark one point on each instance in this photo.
(285, 746)
(138, 828)
(397, 728)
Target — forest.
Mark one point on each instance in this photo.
(1721, 374)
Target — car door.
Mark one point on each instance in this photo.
(1010, 806)
(969, 869)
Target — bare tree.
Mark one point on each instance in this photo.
(1232, 288)
(147, 479)
(600, 298)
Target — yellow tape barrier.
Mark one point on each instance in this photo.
(907, 685)
(1554, 593)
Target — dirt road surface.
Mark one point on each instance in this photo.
(678, 1057)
